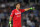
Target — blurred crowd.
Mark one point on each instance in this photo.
(30, 18)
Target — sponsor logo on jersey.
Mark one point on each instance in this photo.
(17, 13)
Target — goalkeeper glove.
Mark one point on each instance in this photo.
(31, 8)
(9, 22)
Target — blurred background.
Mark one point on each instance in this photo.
(30, 18)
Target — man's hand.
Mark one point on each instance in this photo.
(9, 22)
(31, 8)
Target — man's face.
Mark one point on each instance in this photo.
(18, 6)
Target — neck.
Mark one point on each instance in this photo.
(17, 9)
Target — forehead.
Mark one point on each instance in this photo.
(18, 4)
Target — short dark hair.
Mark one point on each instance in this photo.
(18, 3)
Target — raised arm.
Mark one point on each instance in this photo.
(27, 9)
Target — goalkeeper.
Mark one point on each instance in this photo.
(16, 15)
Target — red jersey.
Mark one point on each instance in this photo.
(16, 14)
